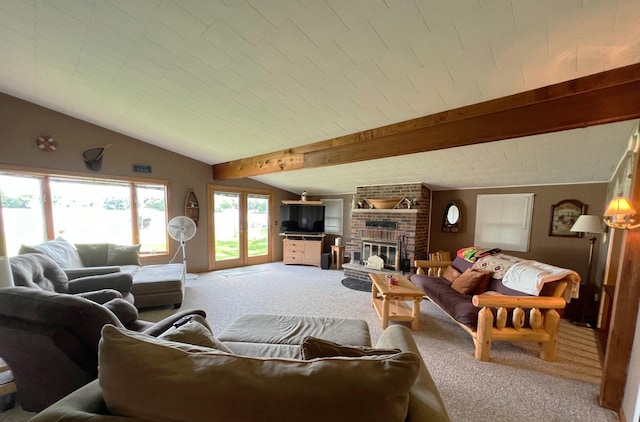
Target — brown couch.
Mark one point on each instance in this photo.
(492, 311)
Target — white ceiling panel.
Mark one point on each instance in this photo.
(218, 80)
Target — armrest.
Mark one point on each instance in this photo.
(498, 301)
(101, 296)
(425, 403)
(73, 273)
(121, 282)
(432, 268)
(163, 325)
(86, 403)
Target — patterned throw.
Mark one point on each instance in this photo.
(473, 253)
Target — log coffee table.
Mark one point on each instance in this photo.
(390, 305)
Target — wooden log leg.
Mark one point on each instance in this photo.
(551, 326)
(483, 342)
(415, 314)
(385, 312)
(374, 293)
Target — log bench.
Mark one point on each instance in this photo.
(497, 313)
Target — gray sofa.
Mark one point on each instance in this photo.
(153, 285)
(264, 369)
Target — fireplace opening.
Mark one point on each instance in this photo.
(384, 250)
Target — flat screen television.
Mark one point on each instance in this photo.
(307, 219)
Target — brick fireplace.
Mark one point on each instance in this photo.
(391, 234)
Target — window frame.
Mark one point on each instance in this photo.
(45, 176)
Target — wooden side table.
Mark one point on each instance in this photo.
(404, 291)
(337, 256)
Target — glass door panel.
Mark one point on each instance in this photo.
(227, 228)
(257, 228)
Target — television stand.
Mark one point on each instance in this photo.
(302, 249)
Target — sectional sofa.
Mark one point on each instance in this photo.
(261, 368)
(153, 285)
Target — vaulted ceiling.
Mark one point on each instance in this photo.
(220, 80)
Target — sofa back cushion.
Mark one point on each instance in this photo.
(93, 254)
(151, 379)
(61, 251)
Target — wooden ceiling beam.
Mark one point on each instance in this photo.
(605, 97)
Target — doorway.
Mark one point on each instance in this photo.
(239, 228)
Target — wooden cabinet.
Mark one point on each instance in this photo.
(299, 250)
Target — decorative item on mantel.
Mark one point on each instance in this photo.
(303, 197)
(384, 203)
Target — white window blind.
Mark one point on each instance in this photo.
(504, 221)
(333, 216)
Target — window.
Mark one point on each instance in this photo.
(22, 211)
(83, 211)
(333, 216)
(504, 221)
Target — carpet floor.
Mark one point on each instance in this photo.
(515, 386)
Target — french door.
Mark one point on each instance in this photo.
(239, 227)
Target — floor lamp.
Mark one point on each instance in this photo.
(587, 224)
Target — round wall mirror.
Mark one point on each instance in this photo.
(451, 218)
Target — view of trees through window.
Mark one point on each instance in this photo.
(83, 211)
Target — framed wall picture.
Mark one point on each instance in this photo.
(563, 215)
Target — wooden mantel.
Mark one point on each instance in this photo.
(605, 97)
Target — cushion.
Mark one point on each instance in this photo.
(123, 255)
(451, 273)
(193, 332)
(457, 305)
(93, 254)
(152, 379)
(470, 280)
(60, 250)
(312, 348)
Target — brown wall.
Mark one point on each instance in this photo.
(22, 122)
(564, 252)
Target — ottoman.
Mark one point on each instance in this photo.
(281, 335)
(161, 284)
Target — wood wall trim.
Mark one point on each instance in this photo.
(624, 313)
(605, 97)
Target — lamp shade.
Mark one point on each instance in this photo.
(588, 224)
(6, 278)
(619, 205)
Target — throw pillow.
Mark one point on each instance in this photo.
(469, 281)
(451, 273)
(153, 379)
(123, 255)
(62, 252)
(93, 254)
(193, 332)
(312, 348)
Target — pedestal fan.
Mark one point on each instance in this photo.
(182, 229)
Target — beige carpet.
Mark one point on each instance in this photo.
(515, 386)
